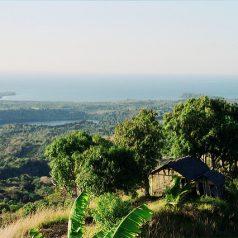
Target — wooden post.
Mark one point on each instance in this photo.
(151, 184)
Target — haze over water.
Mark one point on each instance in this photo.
(115, 87)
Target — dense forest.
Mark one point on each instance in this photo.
(108, 150)
(22, 144)
(109, 112)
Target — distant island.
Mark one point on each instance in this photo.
(190, 95)
(5, 94)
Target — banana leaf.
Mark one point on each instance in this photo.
(77, 216)
(131, 224)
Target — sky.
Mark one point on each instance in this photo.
(119, 37)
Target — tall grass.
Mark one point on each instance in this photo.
(205, 217)
(20, 228)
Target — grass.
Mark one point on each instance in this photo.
(156, 206)
(90, 230)
(20, 228)
(204, 217)
(196, 218)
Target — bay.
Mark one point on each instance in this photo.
(81, 88)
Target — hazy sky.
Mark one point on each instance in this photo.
(156, 37)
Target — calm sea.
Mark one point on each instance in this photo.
(107, 88)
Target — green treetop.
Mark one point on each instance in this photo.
(143, 135)
(203, 127)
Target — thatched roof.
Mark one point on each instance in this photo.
(192, 168)
(214, 176)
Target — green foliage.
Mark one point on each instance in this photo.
(175, 192)
(204, 127)
(143, 135)
(35, 233)
(29, 208)
(77, 214)
(54, 200)
(22, 145)
(24, 189)
(62, 160)
(109, 210)
(79, 161)
(103, 169)
(231, 190)
(197, 217)
(130, 226)
(211, 204)
(109, 112)
(98, 140)
(4, 207)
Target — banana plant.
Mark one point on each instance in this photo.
(130, 225)
(77, 216)
(128, 228)
(175, 193)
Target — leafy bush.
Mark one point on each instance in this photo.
(175, 192)
(4, 207)
(206, 203)
(231, 190)
(29, 208)
(110, 210)
(103, 169)
(54, 200)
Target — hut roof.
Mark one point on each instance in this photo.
(190, 167)
(216, 177)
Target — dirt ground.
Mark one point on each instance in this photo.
(58, 230)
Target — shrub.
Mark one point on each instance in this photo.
(4, 207)
(110, 210)
(206, 203)
(175, 193)
(106, 169)
(231, 190)
(29, 208)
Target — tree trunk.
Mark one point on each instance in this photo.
(147, 187)
(213, 160)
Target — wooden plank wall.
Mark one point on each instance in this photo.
(160, 180)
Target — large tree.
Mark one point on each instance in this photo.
(203, 127)
(79, 161)
(143, 135)
(62, 160)
(106, 169)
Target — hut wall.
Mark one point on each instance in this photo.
(160, 180)
(206, 187)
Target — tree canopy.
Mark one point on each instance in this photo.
(203, 127)
(107, 169)
(143, 135)
(79, 161)
(62, 160)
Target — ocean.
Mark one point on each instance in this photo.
(83, 88)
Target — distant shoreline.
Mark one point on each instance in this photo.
(7, 94)
(108, 89)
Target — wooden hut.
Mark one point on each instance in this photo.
(191, 169)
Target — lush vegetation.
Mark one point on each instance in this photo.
(109, 112)
(109, 210)
(24, 170)
(196, 217)
(22, 145)
(45, 167)
(206, 128)
(129, 227)
(143, 135)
